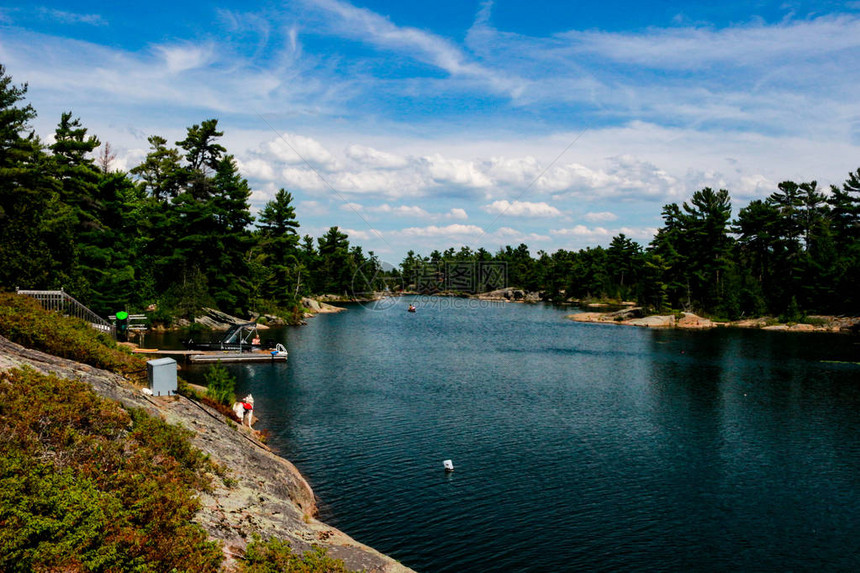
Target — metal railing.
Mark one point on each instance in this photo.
(66, 304)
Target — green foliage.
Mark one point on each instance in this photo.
(277, 556)
(188, 295)
(176, 230)
(86, 485)
(220, 385)
(24, 321)
(282, 271)
(336, 266)
(793, 313)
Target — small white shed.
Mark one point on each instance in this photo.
(162, 376)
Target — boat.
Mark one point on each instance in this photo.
(411, 308)
(238, 338)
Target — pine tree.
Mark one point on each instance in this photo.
(845, 217)
(36, 227)
(335, 271)
(161, 172)
(279, 246)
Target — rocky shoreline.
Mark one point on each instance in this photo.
(686, 320)
(216, 320)
(265, 494)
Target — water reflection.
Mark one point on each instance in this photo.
(577, 446)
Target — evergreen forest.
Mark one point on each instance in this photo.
(177, 232)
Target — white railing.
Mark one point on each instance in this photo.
(66, 304)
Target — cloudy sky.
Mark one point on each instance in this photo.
(429, 124)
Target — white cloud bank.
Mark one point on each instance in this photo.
(522, 209)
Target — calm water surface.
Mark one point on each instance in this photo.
(576, 446)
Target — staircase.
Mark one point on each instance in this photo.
(67, 305)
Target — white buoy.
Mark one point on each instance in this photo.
(448, 465)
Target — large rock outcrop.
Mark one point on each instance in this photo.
(510, 294)
(690, 321)
(264, 493)
(319, 307)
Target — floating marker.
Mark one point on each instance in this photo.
(448, 465)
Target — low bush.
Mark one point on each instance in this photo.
(274, 556)
(220, 385)
(87, 485)
(24, 321)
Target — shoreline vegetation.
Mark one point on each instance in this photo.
(688, 321)
(214, 319)
(615, 312)
(97, 475)
(176, 234)
(627, 313)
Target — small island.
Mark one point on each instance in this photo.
(688, 321)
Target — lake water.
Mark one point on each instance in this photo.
(576, 446)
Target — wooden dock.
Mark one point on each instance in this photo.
(212, 356)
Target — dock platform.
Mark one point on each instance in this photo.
(212, 356)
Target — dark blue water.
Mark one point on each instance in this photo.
(576, 446)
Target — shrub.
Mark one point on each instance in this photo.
(275, 555)
(818, 320)
(87, 485)
(24, 321)
(793, 313)
(220, 385)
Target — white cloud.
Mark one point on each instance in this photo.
(311, 209)
(370, 157)
(367, 26)
(455, 235)
(72, 17)
(509, 235)
(580, 230)
(386, 209)
(580, 236)
(384, 183)
(256, 169)
(740, 45)
(184, 57)
(297, 150)
(600, 217)
(752, 186)
(208, 74)
(359, 235)
(404, 211)
(635, 176)
(456, 213)
(449, 231)
(302, 179)
(522, 209)
(574, 177)
(517, 171)
(456, 171)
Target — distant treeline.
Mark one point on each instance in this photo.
(796, 252)
(177, 230)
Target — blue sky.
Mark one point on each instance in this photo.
(433, 124)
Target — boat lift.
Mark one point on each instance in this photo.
(239, 338)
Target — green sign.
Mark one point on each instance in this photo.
(121, 315)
